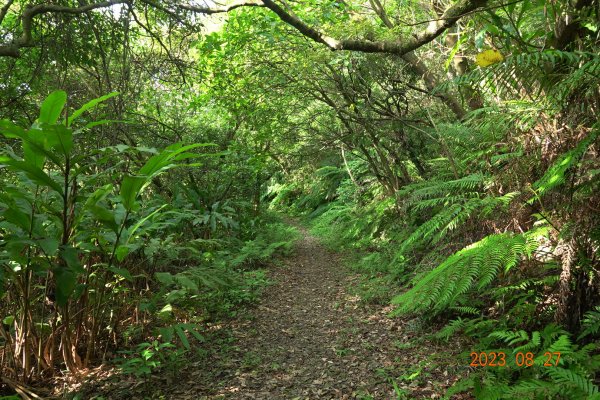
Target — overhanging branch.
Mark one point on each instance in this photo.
(26, 39)
(4, 10)
(220, 9)
(400, 47)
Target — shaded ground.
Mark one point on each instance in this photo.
(309, 338)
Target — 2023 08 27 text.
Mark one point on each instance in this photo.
(528, 359)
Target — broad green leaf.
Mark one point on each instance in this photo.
(184, 340)
(166, 311)
(193, 329)
(52, 107)
(60, 138)
(133, 184)
(105, 216)
(34, 173)
(105, 121)
(17, 217)
(454, 51)
(89, 105)
(122, 252)
(71, 257)
(176, 295)
(102, 214)
(186, 283)
(130, 188)
(591, 26)
(166, 333)
(49, 246)
(11, 130)
(140, 222)
(66, 275)
(35, 145)
(165, 278)
(33, 149)
(162, 160)
(65, 284)
(99, 195)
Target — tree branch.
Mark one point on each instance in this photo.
(4, 10)
(399, 47)
(220, 9)
(26, 38)
(160, 42)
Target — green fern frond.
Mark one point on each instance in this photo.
(526, 284)
(530, 387)
(435, 202)
(448, 219)
(441, 221)
(528, 72)
(456, 211)
(552, 331)
(461, 386)
(511, 337)
(556, 174)
(572, 379)
(498, 159)
(503, 200)
(569, 377)
(562, 345)
(430, 189)
(478, 264)
(532, 345)
(590, 323)
(466, 310)
(451, 329)
(472, 327)
(584, 352)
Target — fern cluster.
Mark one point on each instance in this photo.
(473, 267)
(570, 376)
(528, 72)
(464, 233)
(453, 212)
(591, 324)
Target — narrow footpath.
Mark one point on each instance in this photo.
(310, 339)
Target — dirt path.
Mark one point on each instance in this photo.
(310, 339)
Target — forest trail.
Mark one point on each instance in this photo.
(311, 339)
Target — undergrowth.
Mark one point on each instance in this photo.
(446, 251)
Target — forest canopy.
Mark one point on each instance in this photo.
(149, 149)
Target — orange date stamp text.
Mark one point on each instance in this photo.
(528, 359)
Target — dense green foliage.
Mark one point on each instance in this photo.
(143, 156)
(74, 242)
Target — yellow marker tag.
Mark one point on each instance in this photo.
(488, 57)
